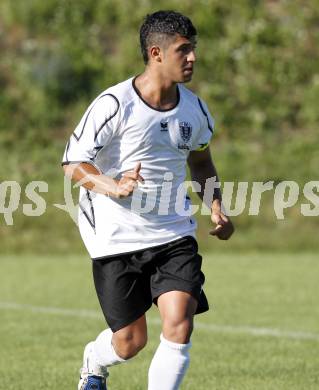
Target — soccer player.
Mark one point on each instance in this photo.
(129, 153)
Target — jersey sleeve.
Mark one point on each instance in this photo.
(94, 131)
(207, 129)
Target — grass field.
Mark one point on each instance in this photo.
(261, 333)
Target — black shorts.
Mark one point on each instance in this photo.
(129, 283)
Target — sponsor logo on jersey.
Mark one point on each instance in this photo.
(164, 125)
(185, 130)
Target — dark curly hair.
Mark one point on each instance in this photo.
(161, 26)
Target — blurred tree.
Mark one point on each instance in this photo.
(257, 69)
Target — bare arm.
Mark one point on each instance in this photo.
(202, 168)
(91, 178)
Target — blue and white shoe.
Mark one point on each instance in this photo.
(92, 382)
(92, 376)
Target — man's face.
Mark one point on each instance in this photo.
(178, 59)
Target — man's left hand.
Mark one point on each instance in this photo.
(224, 226)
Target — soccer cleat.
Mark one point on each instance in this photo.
(92, 376)
(92, 382)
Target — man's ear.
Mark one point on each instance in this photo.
(155, 53)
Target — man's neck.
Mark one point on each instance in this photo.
(156, 91)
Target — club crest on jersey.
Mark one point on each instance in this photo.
(164, 125)
(185, 130)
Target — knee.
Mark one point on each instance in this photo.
(178, 330)
(128, 344)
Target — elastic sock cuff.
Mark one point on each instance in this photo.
(176, 346)
(120, 360)
(104, 350)
(109, 334)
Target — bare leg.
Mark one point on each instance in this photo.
(171, 359)
(128, 341)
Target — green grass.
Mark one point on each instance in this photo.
(275, 291)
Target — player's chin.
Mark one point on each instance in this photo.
(186, 77)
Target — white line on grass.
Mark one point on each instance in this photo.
(231, 329)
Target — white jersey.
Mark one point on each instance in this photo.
(118, 130)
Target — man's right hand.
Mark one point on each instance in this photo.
(128, 182)
(89, 177)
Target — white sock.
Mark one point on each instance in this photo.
(168, 366)
(101, 352)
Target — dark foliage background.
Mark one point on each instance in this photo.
(257, 70)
